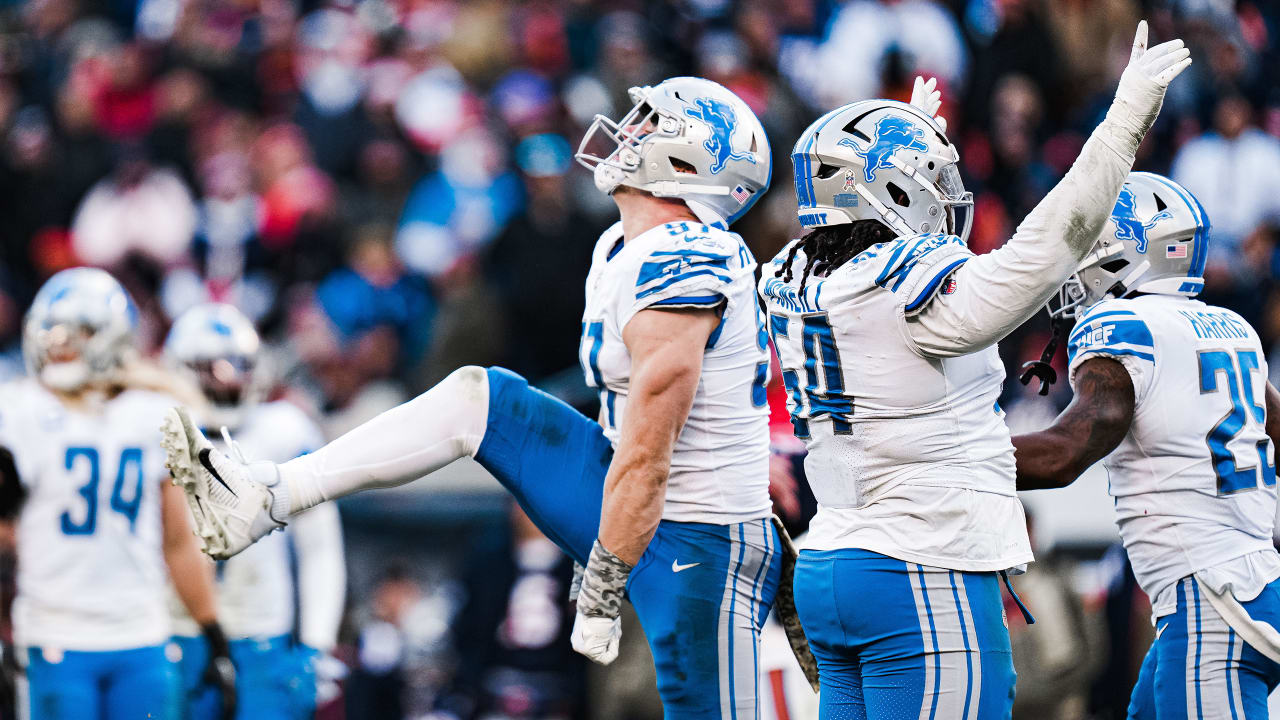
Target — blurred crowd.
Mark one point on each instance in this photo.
(387, 187)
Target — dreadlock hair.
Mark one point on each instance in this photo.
(830, 246)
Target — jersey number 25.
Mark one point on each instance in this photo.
(1244, 412)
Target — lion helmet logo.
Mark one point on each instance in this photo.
(1128, 226)
(721, 119)
(893, 133)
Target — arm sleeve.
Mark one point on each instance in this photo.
(1119, 334)
(996, 292)
(322, 574)
(690, 270)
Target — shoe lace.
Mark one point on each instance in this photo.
(234, 446)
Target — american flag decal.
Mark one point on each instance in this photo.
(1175, 251)
(740, 194)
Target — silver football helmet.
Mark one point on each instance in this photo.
(881, 160)
(1156, 241)
(79, 329)
(216, 347)
(686, 138)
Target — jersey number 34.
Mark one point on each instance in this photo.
(128, 472)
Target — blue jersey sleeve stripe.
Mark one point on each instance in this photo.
(707, 300)
(680, 278)
(705, 256)
(1104, 351)
(1117, 332)
(932, 286)
(1089, 323)
(656, 268)
(891, 263)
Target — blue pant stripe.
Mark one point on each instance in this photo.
(1231, 695)
(1195, 591)
(933, 631)
(968, 652)
(733, 601)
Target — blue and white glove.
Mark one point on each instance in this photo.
(597, 628)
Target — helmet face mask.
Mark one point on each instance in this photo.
(1155, 241)
(79, 330)
(685, 138)
(881, 160)
(217, 348)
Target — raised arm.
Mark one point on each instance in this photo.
(666, 349)
(998, 291)
(1092, 425)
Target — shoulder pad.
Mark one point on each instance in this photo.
(914, 267)
(693, 258)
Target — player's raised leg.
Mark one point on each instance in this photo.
(551, 457)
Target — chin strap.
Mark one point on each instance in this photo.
(1042, 369)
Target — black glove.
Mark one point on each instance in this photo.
(220, 672)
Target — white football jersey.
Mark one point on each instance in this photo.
(909, 455)
(720, 466)
(1194, 480)
(91, 569)
(256, 587)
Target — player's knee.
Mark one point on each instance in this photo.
(469, 385)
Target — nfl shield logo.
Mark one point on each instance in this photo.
(949, 286)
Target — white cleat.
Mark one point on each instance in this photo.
(232, 502)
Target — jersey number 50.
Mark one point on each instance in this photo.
(128, 472)
(823, 392)
(1244, 412)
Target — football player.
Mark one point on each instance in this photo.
(97, 520)
(217, 348)
(665, 498)
(886, 327)
(1172, 395)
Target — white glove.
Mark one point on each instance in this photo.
(329, 671)
(927, 97)
(596, 637)
(1145, 80)
(597, 629)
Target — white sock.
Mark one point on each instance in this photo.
(402, 444)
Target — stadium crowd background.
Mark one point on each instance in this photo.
(387, 188)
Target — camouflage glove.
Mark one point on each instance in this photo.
(597, 629)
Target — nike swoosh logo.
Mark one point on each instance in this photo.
(677, 567)
(204, 460)
(1160, 630)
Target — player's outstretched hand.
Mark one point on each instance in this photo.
(1148, 74)
(926, 96)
